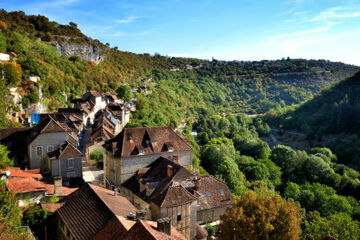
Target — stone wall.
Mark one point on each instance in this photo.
(211, 215)
(64, 170)
(44, 140)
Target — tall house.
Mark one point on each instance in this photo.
(136, 148)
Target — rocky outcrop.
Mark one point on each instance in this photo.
(86, 51)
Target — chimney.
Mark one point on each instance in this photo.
(57, 186)
(164, 225)
(169, 170)
(141, 214)
(197, 184)
(116, 192)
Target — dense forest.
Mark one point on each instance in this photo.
(213, 98)
(335, 112)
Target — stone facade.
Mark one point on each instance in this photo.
(47, 142)
(118, 170)
(61, 167)
(210, 215)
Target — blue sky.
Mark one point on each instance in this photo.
(228, 29)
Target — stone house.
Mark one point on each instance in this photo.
(93, 212)
(65, 161)
(166, 189)
(45, 137)
(136, 148)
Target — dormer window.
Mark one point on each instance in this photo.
(141, 152)
(147, 142)
(130, 138)
(171, 149)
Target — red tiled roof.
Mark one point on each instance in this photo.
(147, 230)
(174, 196)
(51, 207)
(218, 191)
(26, 185)
(89, 210)
(150, 139)
(17, 173)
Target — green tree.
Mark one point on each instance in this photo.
(212, 155)
(233, 177)
(284, 157)
(124, 93)
(340, 226)
(2, 43)
(4, 157)
(260, 217)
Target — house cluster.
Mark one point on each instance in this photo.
(149, 166)
(150, 192)
(57, 143)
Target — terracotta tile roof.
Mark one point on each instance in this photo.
(26, 185)
(65, 150)
(174, 196)
(29, 184)
(146, 230)
(149, 139)
(17, 173)
(94, 93)
(88, 210)
(212, 193)
(51, 207)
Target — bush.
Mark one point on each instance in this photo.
(97, 155)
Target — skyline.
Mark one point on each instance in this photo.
(231, 30)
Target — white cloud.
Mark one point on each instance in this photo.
(129, 19)
(335, 13)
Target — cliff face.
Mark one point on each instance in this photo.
(85, 51)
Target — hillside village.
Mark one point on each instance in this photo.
(98, 143)
(146, 171)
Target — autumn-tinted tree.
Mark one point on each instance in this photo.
(124, 93)
(13, 73)
(260, 217)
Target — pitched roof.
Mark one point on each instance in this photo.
(212, 193)
(174, 196)
(165, 192)
(147, 230)
(88, 210)
(149, 139)
(17, 173)
(29, 184)
(65, 150)
(25, 185)
(52, 207)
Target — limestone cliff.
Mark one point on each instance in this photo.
(86, 51)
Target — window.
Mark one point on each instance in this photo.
(141, 152)
(208, 194)
(221, 191)
(50, 148)
(178, 217)
(171, 149)
(212, 213)
(70, 163)
(39, 151)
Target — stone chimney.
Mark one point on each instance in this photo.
(164, 225)
(116, 192)
(197, 184)
(57, 186)
(169, 170)
(141, 214)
